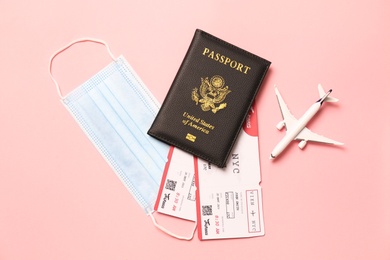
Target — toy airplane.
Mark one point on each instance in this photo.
(295, 129)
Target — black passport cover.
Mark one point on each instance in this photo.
(209, 99)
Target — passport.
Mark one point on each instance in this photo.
(209, 98)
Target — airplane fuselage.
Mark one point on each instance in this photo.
(292, 133)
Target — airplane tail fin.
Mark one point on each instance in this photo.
(328, 98)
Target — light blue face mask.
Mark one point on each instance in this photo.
(115, 110)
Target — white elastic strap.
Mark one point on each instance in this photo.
(169, 232)
(68, 46)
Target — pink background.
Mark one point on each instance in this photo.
(60, 200)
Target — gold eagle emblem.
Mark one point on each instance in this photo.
(211, 93)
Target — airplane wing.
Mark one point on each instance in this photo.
(289, 119)
(307, 135)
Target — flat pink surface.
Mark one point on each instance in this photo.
(60, 200)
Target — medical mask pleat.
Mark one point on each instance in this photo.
(115, 110)
(126, 127)
(115, 113)
(139, 119)
(111, 147)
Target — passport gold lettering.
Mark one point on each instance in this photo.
(204, 123)
(191, 119)
(199, 128)
(226, 60)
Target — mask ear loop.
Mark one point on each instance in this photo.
(150, 213)
(67, 47)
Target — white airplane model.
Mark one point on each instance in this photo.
(296, 129)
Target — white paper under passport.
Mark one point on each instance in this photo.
(229, 200)
(177, 190)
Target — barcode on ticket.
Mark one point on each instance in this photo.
(170, 185)
(207, 210)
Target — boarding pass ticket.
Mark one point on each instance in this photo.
(228, 200)
(177, 190)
